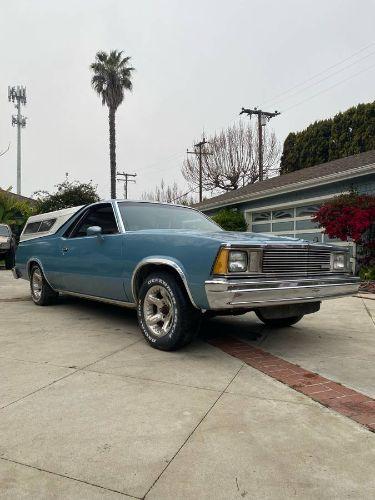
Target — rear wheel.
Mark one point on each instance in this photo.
(41, 293)
(166, 316)
(279, 322)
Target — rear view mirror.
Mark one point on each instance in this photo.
(94, 231)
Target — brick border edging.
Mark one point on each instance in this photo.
(333, 395)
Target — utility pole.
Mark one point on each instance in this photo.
(200, 153)
(263, 118)
(18, 94)
(125, 179)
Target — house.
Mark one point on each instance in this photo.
(19, 197)
(284, 205)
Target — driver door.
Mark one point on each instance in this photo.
(93, 265)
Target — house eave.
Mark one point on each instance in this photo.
(296, 186)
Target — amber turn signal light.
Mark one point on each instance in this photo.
(221, 262)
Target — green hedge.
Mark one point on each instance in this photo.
(230, 220)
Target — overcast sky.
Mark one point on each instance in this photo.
(197, 63)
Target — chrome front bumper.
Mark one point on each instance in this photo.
(223, 293)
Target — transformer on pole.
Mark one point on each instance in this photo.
(18, 95)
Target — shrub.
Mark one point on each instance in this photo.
(351, 217)
(68, 194)
(14, 211)
(230, 220)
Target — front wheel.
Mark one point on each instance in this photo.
(41, 293)
(279, 322)
(166, 316)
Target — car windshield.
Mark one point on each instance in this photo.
(139, 215)
(4, 231)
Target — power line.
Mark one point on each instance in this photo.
(329, 88)
(263, 118)
(317, 74)
(327, 77)
(200, 153)
(125, 179)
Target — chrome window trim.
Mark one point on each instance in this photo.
(120, 222)
(81, 217)
(160, 261)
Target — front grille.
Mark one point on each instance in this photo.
(296, 260)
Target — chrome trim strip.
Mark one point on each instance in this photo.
(161, 261)
(99, 299)
(120, 222)
(223, 293)
(35, 259)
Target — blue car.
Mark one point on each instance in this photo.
(174, 265)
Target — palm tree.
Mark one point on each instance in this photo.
(112, 76)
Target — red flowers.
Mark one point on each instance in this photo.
(348, 216)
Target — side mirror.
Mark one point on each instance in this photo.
(94, 231)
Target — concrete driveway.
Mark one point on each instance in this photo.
(89, 411)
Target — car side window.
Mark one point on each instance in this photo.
(102, 216)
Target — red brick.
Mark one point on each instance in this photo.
(341, 399)
(314, 390)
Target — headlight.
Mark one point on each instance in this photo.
(237, 262)
(339, 261)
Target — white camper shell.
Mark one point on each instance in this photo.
(48, 223)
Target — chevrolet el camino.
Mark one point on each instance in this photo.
(175, 265)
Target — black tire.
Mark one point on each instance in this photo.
(279, 322)
(46, 295)
(9, 260)
(185, 318)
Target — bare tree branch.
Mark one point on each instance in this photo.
(169, 194)
(234, 161)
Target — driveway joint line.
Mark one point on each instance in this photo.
(333, 396)
(65, 376)
(193, 431)
(153, 380)
(66, 477)
(368, 311)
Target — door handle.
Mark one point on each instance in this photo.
(65, 249)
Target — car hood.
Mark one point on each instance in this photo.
(234, 237)
(249, 238)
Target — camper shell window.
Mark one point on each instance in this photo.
(39, 226)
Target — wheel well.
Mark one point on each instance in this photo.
(30, 265)
(147, 269)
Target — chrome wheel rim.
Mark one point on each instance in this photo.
(158, 310)
(37, 284)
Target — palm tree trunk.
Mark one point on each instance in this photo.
(112, 150)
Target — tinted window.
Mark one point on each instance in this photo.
(283, 214)
(46, 225)
(4, 231)
(260, 216)
(307, 210)
(101, 216)
(32, 227)
(138, 216)
(261, 228)
(283, 226)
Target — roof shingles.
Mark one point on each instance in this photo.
(316, 172)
